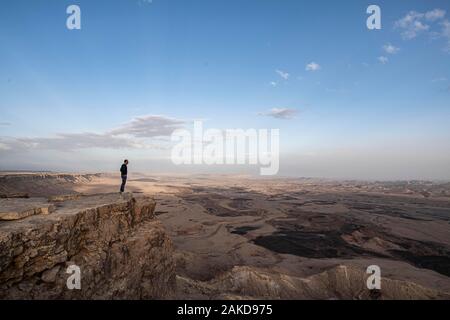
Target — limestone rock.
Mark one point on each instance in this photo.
(16, 209)
(337, 283)
(62, 198)
(42, 184)
(122, 251)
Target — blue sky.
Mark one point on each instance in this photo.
(233, 63)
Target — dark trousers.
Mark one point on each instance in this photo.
(124, 182)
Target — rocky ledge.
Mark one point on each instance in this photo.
(121, 250)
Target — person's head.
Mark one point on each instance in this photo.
(125, 161)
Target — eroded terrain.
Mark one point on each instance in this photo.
(238, 236)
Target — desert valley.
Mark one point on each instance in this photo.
(222, 237)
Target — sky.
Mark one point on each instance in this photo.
(349, 102)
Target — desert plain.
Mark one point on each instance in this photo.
(243, 237)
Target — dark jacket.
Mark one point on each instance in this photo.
(124, 170)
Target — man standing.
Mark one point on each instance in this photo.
(124, 173)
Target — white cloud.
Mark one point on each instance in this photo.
(4, 146)
(129, 136)
(390, 49)
(435, 14)
(446, 29)
(144, 2)
(415, 23)
(446, 33)
(273, 84)
(432, 22)
(441, 79)
(412, 25)
(383, 60)
(280, 113)
(313, 67)
(149, 126)
(283, 74)
(68, 142)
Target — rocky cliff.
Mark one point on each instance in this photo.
(42, 184)
(337, 283)
(121, 250)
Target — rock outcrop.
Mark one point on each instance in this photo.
(23, 185)
(121, 250)
(338, 283)
(16, 209)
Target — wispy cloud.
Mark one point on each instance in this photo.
(446, 33)
(435, 14)
(411, 25)
(283, 74)
(149, 126)
(144, 2)
(4, 146)
(280, 113)
(390, 49)
(414, 23)
(441, 79)
(273, 83)
(128, 136)
(4, 124)
(313, 67)
(383, 59)
(70, 142)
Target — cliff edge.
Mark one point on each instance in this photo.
(121, 250)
